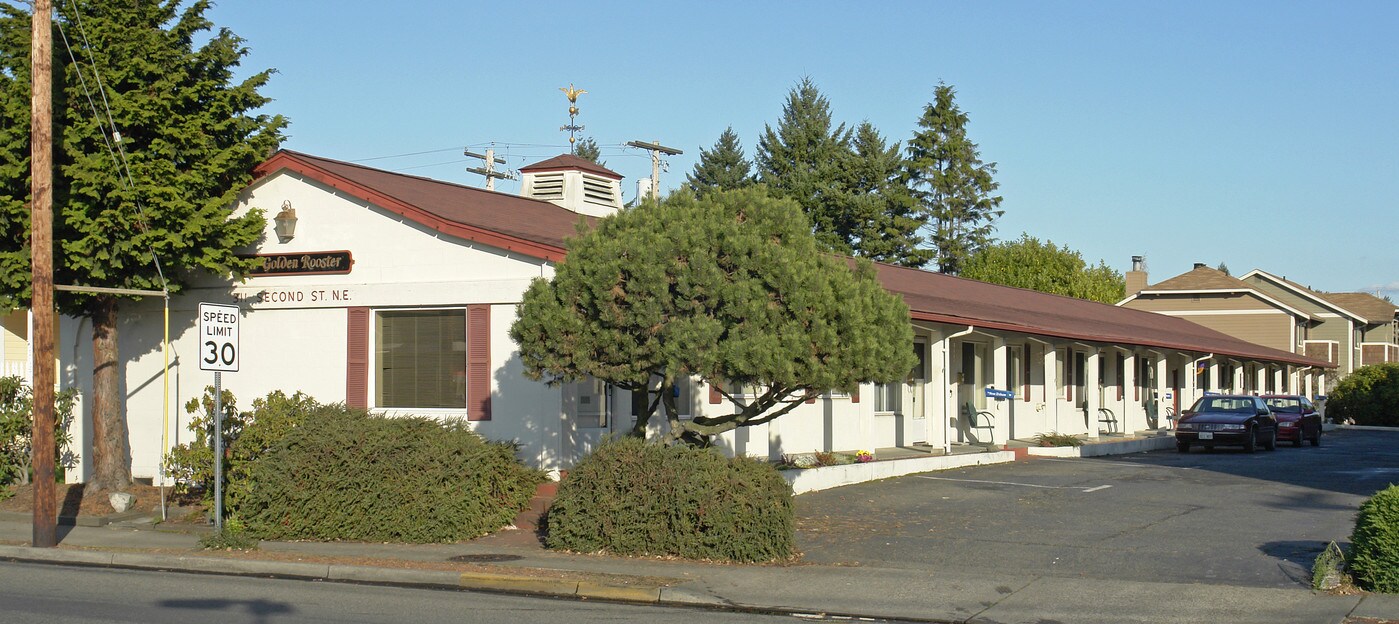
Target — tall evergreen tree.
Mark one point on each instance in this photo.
(803, 159)
(721, 168)
(953, 187)
(191, 137)
(882, 219)
(587, 149)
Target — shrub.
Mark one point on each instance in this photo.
(17, 428)
(1374, 545)
(348, 475)
(1368, 396)
(234, 536)
(1055, 438)
(247, 435)
(630, 497)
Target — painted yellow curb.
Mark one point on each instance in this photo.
(630, 593)
(473, 580)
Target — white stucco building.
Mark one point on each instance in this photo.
(396, 293)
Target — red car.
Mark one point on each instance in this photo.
(1297, 418)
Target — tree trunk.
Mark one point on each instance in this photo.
(110, 455)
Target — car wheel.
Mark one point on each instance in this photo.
(1316, 439)
(1250, 439)
(1272, 443)
(1182, 446)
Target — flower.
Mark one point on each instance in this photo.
(863, 457)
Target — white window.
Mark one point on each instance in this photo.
(886, 397)
(590, 400)
(420, 359)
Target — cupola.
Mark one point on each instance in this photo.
(575, 184)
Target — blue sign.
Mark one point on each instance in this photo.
(1319, 397)
(992, 393)
(1208, 393)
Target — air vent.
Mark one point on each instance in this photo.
(598, 190)
(547, 186)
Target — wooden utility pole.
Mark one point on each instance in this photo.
(489, 169)
(656, 150)
(41, 241)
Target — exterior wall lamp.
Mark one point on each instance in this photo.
(285, 222)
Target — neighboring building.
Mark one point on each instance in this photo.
(1351, 329)
(1346, 329)
(396, 293)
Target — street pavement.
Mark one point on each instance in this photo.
(1204, 537)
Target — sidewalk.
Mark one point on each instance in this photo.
(512, 561)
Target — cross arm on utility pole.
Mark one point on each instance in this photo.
(656, 150)
(490, 160)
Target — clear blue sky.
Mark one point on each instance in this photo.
(1258, 134)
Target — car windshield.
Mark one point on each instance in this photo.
(1286, 405)
(1235, 405)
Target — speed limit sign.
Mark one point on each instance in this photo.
(218, 337)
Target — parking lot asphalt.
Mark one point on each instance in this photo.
(1220, 517)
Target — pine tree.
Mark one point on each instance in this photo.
(191, 137)
(729, 287)
(721, 168)
(953, 188)
(803, 159)
(882, 220)
(587, 149)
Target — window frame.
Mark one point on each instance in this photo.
(376, 361)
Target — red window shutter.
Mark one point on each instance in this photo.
(855, 396)
(1029, 354)
(478, 362)
(714, 397)
(357, 358)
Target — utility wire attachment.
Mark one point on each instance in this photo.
(656, 150)
(491, 160)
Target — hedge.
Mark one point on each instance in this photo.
(348, 475)
(630, 497)
(1368, 396)
(1374, 545)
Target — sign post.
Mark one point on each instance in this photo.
(218, 352)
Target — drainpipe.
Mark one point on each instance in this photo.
(1194, 364)
(946, 375)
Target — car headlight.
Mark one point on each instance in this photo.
(1185, 426)
(1231, 427)
(1288, 424)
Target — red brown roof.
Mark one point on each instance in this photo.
(564, 162)
(946, 299)
(1371, 308)
(539, 229)
(528, 226)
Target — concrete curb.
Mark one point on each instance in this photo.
(648, 593)
(1121, 447)
(1362, 428)
(827, 477)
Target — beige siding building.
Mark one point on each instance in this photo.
(1347, 329)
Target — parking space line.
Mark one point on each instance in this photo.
(1033, 485)
(1117, 463)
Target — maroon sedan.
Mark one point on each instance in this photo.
(1297, 418)
(1227, 419)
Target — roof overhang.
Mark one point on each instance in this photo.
(285, 161)
(1302, 292)
(1225, 291)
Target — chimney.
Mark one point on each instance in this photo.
(573, 183)
(1136, 278)
(1199, 265)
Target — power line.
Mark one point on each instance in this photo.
(123, 166)
(434, 151)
